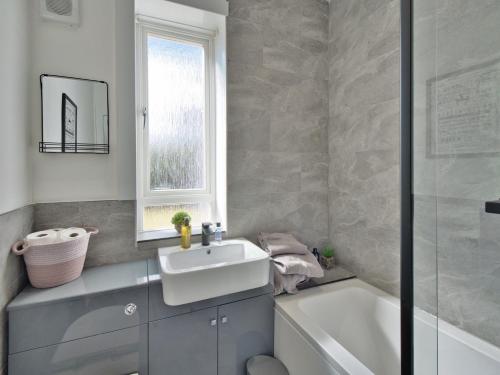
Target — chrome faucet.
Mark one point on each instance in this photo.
(205, 234)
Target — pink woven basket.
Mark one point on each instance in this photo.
(54, 264)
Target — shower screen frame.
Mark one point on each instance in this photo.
(406, 180)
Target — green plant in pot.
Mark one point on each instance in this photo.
(178, 220)
(327, 258)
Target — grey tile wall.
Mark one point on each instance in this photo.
(14, 226)
(116, 222)
(364, 138)
(115, 242)
(278, 118)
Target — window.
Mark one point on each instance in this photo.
(179, 135)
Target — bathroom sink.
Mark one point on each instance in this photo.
(203, 272)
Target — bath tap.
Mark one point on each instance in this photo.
(205, 234)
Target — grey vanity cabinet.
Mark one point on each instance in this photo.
(213, 341)
(113, 321)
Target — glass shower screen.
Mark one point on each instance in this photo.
(456, 170)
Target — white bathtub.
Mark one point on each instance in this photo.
(351, 327)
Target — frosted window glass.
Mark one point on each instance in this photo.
(159, 217)
(176, 96)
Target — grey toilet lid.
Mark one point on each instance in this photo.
(265, 365)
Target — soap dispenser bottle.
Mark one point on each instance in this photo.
(186, 234)
(218, 233)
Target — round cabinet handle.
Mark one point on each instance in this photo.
(224, 319)
(130, 309)
(213, 322)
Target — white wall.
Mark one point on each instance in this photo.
(125, 101)
(15, 46)
(100, 48)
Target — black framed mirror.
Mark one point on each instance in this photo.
(75, 115)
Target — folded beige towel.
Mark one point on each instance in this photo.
(297, 264)
(281, 243)
(286, 283)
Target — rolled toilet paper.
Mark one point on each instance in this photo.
(43, 237)
(58, 232)
(72, 233)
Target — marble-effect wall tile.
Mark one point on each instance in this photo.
(115, 220)
(364, 139)
(278, 118)
(15, 226)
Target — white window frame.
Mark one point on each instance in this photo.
(212, 192)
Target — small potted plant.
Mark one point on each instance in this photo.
(178, 220)
(327, 258)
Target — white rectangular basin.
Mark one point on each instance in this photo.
(203, 272)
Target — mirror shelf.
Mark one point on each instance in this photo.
(75, 115)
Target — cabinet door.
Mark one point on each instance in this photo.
(116, 353)
(53, 323)
(184, 344)
(246, 329)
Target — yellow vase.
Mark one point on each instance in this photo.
(186, 236)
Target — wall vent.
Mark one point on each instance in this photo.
(64, 11)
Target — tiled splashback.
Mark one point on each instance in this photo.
(15, 225)
(116, 222)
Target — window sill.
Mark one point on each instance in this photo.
(156, 235)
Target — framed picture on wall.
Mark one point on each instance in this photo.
(69, 124)
(463, 112)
